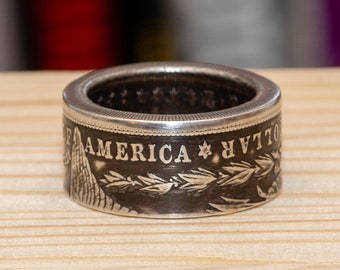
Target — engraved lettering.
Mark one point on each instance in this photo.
(67, 157)
(122, 151)
(104, 151)
(244, 143)
(88, 146)
(172, 153)
(228, 151)
(276, 132)
(257, 138)
(162, 154)
(68, 136)
(268, 134)
(152, 153)
(137, 152)
(183, 154)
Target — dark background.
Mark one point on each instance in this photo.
(91, 34)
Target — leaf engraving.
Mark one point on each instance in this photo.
(155, 185)
(151, 179)
(266, 165)
(228, 204)
(199, 180)
(117, 182)
(240, 175)
(158, 189)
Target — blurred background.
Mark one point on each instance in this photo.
(91, 34)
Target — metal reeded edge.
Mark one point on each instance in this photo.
(172, 140)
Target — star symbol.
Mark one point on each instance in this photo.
(205, 150)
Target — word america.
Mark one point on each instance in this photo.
(173, 153)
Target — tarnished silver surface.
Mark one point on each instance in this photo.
(172, 139)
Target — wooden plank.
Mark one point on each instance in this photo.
(40, 228)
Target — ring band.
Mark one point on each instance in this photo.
(172, 140)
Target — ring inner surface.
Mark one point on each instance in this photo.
(174, 93)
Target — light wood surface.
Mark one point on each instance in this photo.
(40, 228)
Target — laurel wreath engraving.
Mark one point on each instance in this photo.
(200, 179)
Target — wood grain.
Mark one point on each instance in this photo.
(40, 228)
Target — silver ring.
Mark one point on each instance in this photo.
(172, 140)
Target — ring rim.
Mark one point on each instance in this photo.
(79, 107)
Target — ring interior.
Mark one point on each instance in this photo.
(171, 93)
